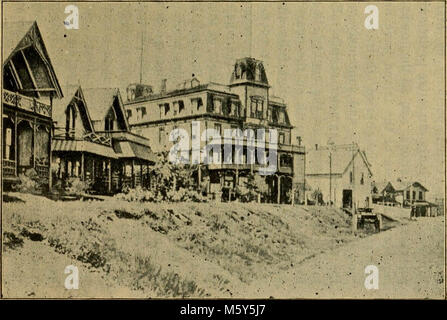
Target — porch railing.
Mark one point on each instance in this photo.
(9, 167)
(26, 103)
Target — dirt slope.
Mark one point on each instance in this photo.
(410, 260)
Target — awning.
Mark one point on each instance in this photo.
(82, 146)
(129, 149)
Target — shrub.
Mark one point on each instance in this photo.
(139, 194)
(76, 186)
(11, 241)
(31, 182)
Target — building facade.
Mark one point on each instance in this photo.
(92, 142)
(244, 104)
(342, 174)
(29, 87)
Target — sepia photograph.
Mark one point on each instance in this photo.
(223, 150)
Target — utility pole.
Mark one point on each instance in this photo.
(330, 178)
(353, 179)
(141, 57)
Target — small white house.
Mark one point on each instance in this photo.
(341, 173)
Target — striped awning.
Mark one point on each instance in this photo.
(82, 146)
(129, 149)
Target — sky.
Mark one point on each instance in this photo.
(383, 89)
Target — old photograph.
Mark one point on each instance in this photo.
(241, 150)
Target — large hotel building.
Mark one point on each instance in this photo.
(245, 103)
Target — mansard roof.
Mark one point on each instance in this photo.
(249, 70)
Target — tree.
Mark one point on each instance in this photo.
(253, 189)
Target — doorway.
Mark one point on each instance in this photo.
(347, 198)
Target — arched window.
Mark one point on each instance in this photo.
(108, 126)
(70, 121)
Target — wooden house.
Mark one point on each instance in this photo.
(93, 142)
(29, 87)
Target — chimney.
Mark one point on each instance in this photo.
(163, 86)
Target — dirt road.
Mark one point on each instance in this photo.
(410, 260)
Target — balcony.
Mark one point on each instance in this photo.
(26, 103)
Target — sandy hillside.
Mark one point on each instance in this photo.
(172, 250)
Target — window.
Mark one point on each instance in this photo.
(259, 109)
(258, 73)
(218, 128)
(281, 118)
(421, 195)
(108, 124)
(281, 138)
(350, 176)
(141, 113)
(199, 103)
(252, 108)
(129, 114)
(71, 120)
(234, 109)
(217, 105)
(408, 194)
(181, 106)
(414, 195)
(362, 179)
(167, 108)
(161, 135)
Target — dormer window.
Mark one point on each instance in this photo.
(258, 73)
(281, 118)
(238, 71)
(70, 121)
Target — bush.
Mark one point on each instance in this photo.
(76, 186)
(31, 182)
(139, 194)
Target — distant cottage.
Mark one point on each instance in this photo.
(341, 173)
(404, 193)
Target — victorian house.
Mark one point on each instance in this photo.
(93, 142)
(245, 103)
(29, 87)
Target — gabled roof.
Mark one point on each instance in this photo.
(317, 161)
(22, 34)
(382, 185)
(100, 100)
(401, 185)
(72, 92)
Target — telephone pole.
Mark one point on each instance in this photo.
(141, 57)
(330, 178)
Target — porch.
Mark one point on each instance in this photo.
(26, 137)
